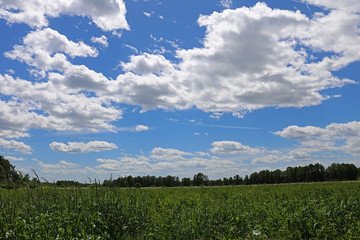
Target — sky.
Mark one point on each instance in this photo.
(100, 89)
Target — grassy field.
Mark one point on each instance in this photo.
(286, 211)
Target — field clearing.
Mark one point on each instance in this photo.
(287, 211)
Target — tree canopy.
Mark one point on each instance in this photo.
(7, 171)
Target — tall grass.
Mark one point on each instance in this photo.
(287, 211)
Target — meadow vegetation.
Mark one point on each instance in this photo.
(152, 207)
(328, 210)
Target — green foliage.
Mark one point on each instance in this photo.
(343, 171)
(200, 179)
(9, 177)
(286, 211)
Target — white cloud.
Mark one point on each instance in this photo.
(147, 14)
(333, 130)
(165, 161)
(231, 147)
(267, 159)
(15, 146)
(117, 33)
(343, 137)
(134, 49)
(322, 34)
(68, 164)
(101, 40)
(45, 49)
(10, 158)
(126, 165)
(203, 154)
(140, 128)
(352, 146)
(168, 154)
(216, 115)
(50, 106)
(175, 165)
(251, 58)
(296, 132)
(226, 3)
(63, 168)
(300, 154)
(11, 71)
(81, 147)
(61, 103)
(13, 119)
(147, 64)
(107, 15)
(37, 73)
(348, 5)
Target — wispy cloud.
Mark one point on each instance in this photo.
(194, 122)
(233, 127)
(226, 3)
(10, 158)
(81, 147)
(137, 128)
(100, 40)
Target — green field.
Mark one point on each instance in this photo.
(286, 211)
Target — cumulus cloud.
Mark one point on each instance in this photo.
(147, 64)
(251, 58)
(140, 128)
(296, 132)
(320, 35)
(231, 147)
(45, 49)
(107, 15)
(47, 106)
(333, 130)
(12, 119)
(342, 137)
(62, 102)
(300, 154)
(81, 147)
(15, 146)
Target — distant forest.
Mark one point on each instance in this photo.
(310, 173)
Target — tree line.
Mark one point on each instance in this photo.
(310, 173)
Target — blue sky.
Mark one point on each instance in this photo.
(112, 87)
